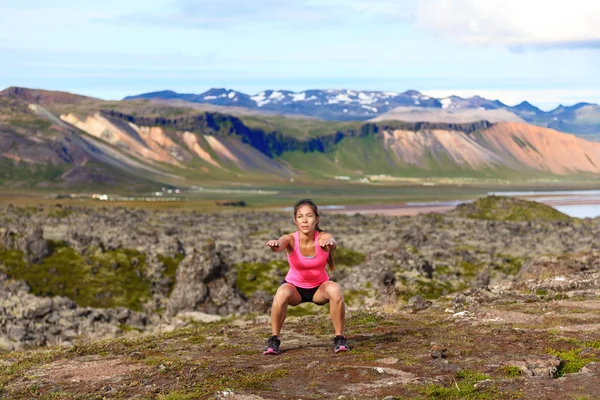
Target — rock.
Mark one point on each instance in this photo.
(482, 280)
(437, 351)
(545, 268)
(591, 368)
(388, 361)
(42, 307)
(205, 283)
(445, 366)
(37, 247)
(459, 302)
(542, 366)
(418, 303)
(261, 302)
(389, 278)
(137, 355)
(198, 316)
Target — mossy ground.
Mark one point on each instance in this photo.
(202, 361)
(499, 208)
(97, 279)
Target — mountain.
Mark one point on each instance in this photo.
(38, 149)
(116, 143)
(345, 105)
(42, 97)
(325, 104)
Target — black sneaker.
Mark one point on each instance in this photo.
(340, 344)
(272, 346)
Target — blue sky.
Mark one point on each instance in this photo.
(547, 52)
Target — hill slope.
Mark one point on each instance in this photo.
(183, 146)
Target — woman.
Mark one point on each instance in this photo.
(308, 250)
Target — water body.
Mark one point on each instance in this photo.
(575, 203)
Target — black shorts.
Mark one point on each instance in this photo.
(307, 294)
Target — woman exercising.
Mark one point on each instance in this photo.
(309, 250)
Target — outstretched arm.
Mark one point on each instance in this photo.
(280, 244)
(326, 241)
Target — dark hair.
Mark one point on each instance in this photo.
(311, 204)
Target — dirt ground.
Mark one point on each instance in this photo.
(515, 347)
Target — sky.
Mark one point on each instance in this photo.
(544, 51)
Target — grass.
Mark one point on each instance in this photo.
(463, 387)
(30, 174)
(511, 371)
(301, 128)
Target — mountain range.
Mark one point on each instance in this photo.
(343, 105)
(62, 139)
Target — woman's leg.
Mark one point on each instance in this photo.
(286, 295)
(331, 292)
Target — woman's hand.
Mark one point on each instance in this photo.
(328, 243)
(280, 244)
(273, 243)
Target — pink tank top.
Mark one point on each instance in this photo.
(307, 272)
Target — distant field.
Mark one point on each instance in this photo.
(277, 196)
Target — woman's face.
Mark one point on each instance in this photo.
(305, 219)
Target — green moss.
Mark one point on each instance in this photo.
(234, 379)
(110, 279)
(469, 269)
(60, 213)
(128, 328)
(571, 361)
(118, 279)
(354, 297)
(594, 345)
(347, 257)
(259, 276)
(502, 208)
(23, 361)
(171, 264)
(510, 265)
(304, 309)
(463, 388)
(511, 371)
(11, 260)
(431, 288)
(362, 321)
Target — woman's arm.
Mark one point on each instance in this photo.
(282, 243)
(326, 241)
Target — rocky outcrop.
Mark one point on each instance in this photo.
(570, 272)
(37, 247)
(205, 283)
(28, 320)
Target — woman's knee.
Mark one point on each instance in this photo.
(334, 292)
(284, 294)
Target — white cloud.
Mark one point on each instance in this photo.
(519, 24)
